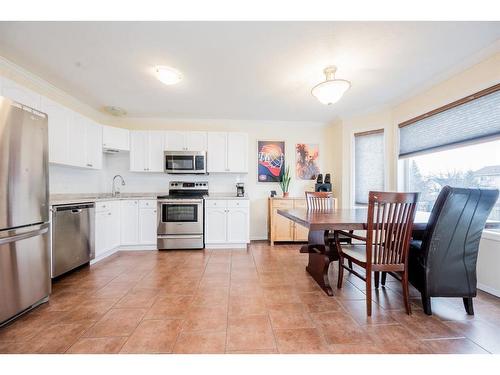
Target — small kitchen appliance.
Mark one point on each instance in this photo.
(240, 189)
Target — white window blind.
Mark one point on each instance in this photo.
(474, 118)
(368, 164)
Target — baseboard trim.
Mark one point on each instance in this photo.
(138, 247)
(226, 246)
(104, 256)
(488, 289)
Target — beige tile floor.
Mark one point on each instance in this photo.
(259, 300)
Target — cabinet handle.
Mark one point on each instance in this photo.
(109, 213)
(89, 165)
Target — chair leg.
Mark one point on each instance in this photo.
(406, 292)
(341, 273)
(384, 277)
(426, 303)
(469, 307)
(377, 279)
(368, 293)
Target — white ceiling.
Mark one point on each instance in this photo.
(242, 70)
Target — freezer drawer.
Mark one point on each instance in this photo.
(172, 242)
(24, 269)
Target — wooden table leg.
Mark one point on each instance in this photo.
(318, 268)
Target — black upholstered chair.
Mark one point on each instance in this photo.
(442, 259)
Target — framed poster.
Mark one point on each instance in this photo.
(271, 161)
(306, 161)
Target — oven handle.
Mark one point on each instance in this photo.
(181, 201)
(180, 236)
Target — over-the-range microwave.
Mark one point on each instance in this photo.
(185, 162)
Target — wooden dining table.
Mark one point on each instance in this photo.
(339, 219)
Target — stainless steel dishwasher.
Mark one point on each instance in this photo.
(72, 236)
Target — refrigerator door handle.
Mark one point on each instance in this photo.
(23, 236)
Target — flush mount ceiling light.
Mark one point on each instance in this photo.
(168, 75)
(331, 90)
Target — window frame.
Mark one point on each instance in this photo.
(387, 158)
(403, 163)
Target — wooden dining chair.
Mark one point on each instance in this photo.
(320, 200)
(386, 245)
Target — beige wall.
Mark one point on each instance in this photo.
(469, 81)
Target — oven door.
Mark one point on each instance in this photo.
(183, 216)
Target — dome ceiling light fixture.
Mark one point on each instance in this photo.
(167, 75)
(331, 90)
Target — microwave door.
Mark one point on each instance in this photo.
(179, 163)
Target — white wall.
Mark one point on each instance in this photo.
(289, 132)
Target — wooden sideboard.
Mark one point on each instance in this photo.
(281, 228)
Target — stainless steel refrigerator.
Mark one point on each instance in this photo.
(24, 209)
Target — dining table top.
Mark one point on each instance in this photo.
(349, 219)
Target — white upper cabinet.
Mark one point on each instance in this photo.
(58, 118)
(138, 151)
(185, 141)
(217, 152)
(115, 138)
(146, 151)
(175, 141)
(85, 140)
(93, 145)
(196, 141)
(77, 144)
(20, 94)
(237, 152)
(227, 152)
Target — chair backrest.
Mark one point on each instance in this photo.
(320, 200)
(451, 241)
(389, 227)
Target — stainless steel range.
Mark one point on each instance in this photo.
(181, 215)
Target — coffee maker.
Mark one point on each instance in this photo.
(240, 189)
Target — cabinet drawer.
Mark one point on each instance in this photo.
(102, 206)
(209, 203)
(282, 203)
(238, 203)
(147, 204)
(300, 203)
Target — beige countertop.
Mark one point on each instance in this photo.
(231, 195)
(55, 199)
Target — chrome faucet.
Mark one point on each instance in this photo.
(114, 190)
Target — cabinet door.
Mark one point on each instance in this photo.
(129, 222)
(147, 226)
(175, 141)
(300, 233)
(237, 152)
(138, 151)
(283, 228)
(115, 138)
(77, 155)
(20, 94)
(215, 225)
(58, 120)
(155, 151)
(93, 145)
(237, 225)
(114, 225)
(196, 141)
(216, 152)
(101, 221)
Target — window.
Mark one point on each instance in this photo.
(457, 145)
(368, 164)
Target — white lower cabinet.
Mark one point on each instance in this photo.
(147, 226)
(227, 223)
(130, 221)
(107, 227)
